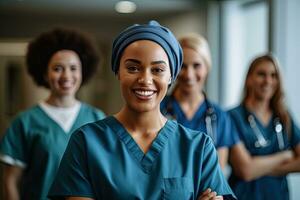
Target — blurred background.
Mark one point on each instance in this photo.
(237, 31)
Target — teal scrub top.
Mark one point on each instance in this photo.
(223, 132)
(102, 161)
(39, 142)
(266, 187)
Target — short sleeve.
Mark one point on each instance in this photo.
(72, 178)
(14, 144)
(211, 174)
(227, 133)
(100, 114)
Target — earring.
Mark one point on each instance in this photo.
(170, 81)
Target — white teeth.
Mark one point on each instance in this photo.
(66, 83)
(144, 93)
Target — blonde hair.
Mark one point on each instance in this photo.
(198, 43)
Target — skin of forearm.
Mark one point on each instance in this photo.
(262, 166)
(11, 179)
(11, 191)
(292, 166)
(223, 157)
(250, 167)
(288, 167)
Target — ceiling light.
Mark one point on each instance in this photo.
(125, 7)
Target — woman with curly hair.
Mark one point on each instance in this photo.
(270, 147)
(60, 60)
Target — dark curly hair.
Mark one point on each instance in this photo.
(42, 48)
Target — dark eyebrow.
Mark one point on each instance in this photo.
(139, 62)
(158, 62)
(133, 60)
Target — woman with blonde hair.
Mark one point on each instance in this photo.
(188, 103)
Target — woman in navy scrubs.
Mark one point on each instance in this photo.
(188, 103)
(138, 153)
(271, 140)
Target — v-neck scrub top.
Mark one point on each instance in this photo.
(102, 161)
(224, 133)
(38, 142)
(266, 187)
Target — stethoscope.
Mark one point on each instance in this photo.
(261, 141)
(210, 117)
(211, 121)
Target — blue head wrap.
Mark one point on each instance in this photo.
(152, 31)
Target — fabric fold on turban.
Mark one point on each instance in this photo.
(152, 31)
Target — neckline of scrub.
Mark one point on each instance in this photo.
(49, 118)
(147, 160)
(259, 123)
(201, 111)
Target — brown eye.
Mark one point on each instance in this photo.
(197, 65)
(74, 68)
(158, 70)
(261, 74)
(57, 68)
(132, 69)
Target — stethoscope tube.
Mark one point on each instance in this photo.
(210, 118)
(211, 122)
(261, 141)
(279, 134)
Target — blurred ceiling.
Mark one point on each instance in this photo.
(103, 7)
(26, 18)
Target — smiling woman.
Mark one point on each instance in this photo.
(271, 139)
(144, 79)
(138, 153)
(61, 60)
(188, 103)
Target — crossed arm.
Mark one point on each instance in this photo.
(206, 195)
(250, 167)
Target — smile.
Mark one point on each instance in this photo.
(144, 94)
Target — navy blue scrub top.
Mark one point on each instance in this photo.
(224, 134)
(266, 187)
(102, 161)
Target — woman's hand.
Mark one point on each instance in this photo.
(208, 194)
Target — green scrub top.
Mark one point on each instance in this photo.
(39, 142)
(102, 161)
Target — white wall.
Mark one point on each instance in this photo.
(244, 36)
(286, 45)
